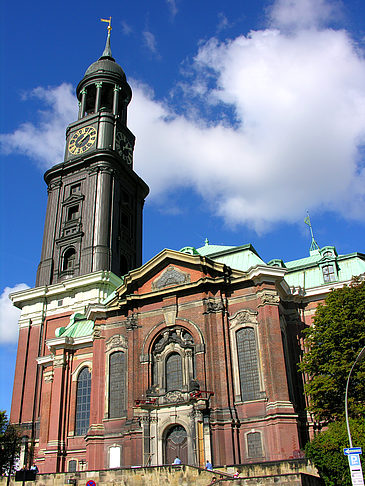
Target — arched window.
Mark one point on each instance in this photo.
(172, 366)
(90, 100)
(107, 96)
(174, 379)
(83, 402)
(117, 384)
(72, 465)
(69, 258)
(248, 364)
(254, 445)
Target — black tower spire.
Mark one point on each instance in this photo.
(95, 199)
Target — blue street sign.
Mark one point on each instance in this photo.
(354, 460)
(352, 450)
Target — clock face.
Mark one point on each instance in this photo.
(124, 147)
(82, 140)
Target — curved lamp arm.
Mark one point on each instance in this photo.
(360, 356)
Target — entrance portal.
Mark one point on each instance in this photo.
(176, 444)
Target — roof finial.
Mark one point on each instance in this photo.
(107, 51)
(314, 246)
(206, 242)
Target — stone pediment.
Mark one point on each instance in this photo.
(167, 270)
(74, 198)
(170, 277)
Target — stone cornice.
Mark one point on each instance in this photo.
(265, 273)
(59, 290)
(69, 343)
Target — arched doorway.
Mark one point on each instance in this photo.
(176, 444)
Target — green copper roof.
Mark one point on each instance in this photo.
(78, 326)
(239, 257)
(190, 250)
(307, 272)
(207, 250)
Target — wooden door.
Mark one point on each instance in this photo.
(176, 444)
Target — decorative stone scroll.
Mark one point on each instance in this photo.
(245, 316)
(97, 332)
(170, 277)
(132, 322)
(116, 341)
(54, 185)
(59, 362)
(174, 397)
(214, 307)
(268, 298)
(48, 376)
(146, 419)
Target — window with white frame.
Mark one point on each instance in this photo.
(248, 364)
(254, 444)
(83, 392)
(329, 273)
(173, 360)
(117, 384)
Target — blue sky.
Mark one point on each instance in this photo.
(246, 114)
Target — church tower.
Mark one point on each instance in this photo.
(95, 199)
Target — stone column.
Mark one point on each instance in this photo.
(281, 435)
(273, 354)
(95, 436)
(116, 99)
(48, 264)
(82, 104)
(101, 245)
(98, 96)
(54, 444)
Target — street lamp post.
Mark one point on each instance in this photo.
(359, 358)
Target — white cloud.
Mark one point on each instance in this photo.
(222, 22)
(299, 103)
(44, 141)
(126, 28)
(9, 315)
(172, 6)
(150, 42)
(298, 99)
(303, 14)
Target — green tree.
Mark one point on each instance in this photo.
(10, 442)
(326, 451)
(333, 343)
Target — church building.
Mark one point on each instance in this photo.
(192, 354)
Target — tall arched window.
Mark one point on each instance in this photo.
(248, 364)
(174, 378)
(117, 384)
(172, 361)
(83, 402)
(69, 258)
(254, 444)
(72, 466)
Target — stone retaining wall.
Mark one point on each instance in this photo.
(177, 476)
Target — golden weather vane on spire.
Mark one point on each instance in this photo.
(108, 21)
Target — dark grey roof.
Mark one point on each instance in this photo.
(104, 65)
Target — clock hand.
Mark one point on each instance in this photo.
(81, 142)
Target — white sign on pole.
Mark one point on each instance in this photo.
(356, 470)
